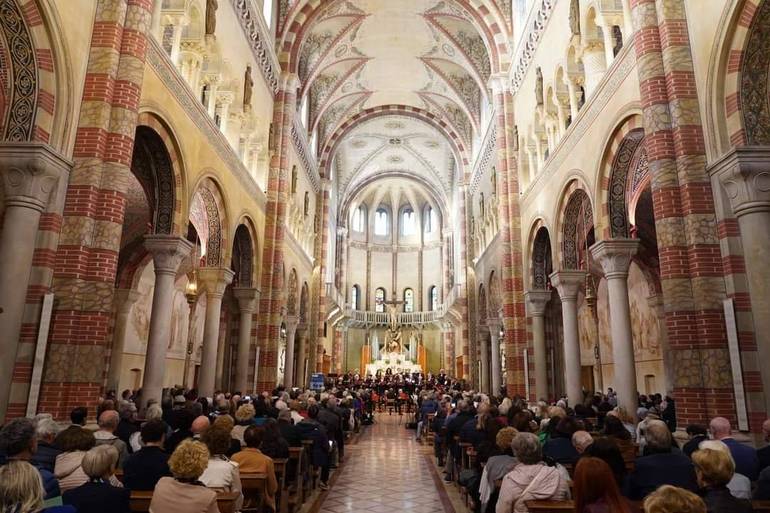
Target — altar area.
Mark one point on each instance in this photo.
(397, 363)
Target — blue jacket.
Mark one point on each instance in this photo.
(746, 459)
(655, 470)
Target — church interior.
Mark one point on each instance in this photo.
(539, 199)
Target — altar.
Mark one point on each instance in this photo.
(397, 363)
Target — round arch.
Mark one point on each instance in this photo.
(542, 257)
(576, 216)
(482, 302)
(292, 293)
(208, 204)
(495, 294)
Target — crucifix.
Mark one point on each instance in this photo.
(393, 334)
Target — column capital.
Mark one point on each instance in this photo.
(499, 83)
(167, 252)
(289, 82)
(615, 256)
(745, 176)
(568, 283)
(291, 321)
(493, 324)
(535, 302)
(247, 298)
(31, 172)
(124, 299)
(214, 280)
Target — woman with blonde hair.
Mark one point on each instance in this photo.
(184, 493)
(98, 494)
(21, 490)
(244, 418)
(714, 469)
(670, 499)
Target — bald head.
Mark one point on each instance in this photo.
(720, 428)
(200, 424)
(108, 420)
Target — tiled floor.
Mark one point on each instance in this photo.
(387, 472)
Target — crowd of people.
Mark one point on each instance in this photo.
(184, 449)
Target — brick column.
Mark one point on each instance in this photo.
(30, 175)
(87, 255)
(463, 296)
(269, 325)
(691, 270)
(318, 308)
(449, 349)
(214, 281)
(514, 321)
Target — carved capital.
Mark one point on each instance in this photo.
(167, 252)
(745, 176)
(499, 83)
(567, 283)
(31, 173)
(214, 280)
(535, 302)
(247, 298)
(291, 322)
(493, 324)
(615, 256)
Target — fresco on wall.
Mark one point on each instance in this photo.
(587, 332)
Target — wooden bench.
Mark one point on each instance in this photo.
(140, 501)
(294, 493)
(550, 506)
(280, 467)
(761, 506)
(254, 488)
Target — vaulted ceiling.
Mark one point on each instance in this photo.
(425, 55)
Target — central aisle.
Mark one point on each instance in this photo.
(387, 471)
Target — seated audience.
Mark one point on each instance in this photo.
(595, 490)
(46, 452)
(21, 490)
(714, 469)
(273, 444)
(670, 499)
(108, 423)
(128, 424)
(764, 453)
(313, 430)
(199, 426)
(626, 418)
(184, 493)
(181, 423)
(559, 446)
(496, 468)
(739, 485)
(221, 473)
(660, 465)
(98, 494)
(762, 493)
(251, 461)
(154, 412)
(288, 430)
(531, 479)
(697, 434)
(581, 440)
(17, 442)
(243, 419)
(745, 457)
(144, 468)
(606, 449)
(614, 427)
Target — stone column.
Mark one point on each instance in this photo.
(30, 174)
(536, 302)
(609, 43)
(301, 370)
(247, 305)
(179, 23)
(291, 335)
(595, 65)
(124, 300)
(214, 281)
(156, 19)
(615, 255)
(168, 251)
(572, 90)
(484, 350)
(494, 343)
(568, 283)
(745, 176)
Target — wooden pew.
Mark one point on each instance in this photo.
(294, 499)
(140, 501)
(761, 506)
(550, 506)
(254, 487)
(281, 499)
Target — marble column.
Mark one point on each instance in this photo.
(247, 305)
(124, 300)
(291, 323)
(567, 283)
(745, 176)
(157, 6)
(536, 302)
(31, 175)
(214, 281)
(300, 373)
(168, 252)
(494, 343)
(615, 255)
(483, 343)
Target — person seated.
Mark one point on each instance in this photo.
(153, 412)
(496, 468)
(614, 427)
(288, 430)
(21, 490)
(98, 494)
(313, 430)
(764, 453)
(531, 479)
(144, 468)
(670, 499)
(250, 460)
(606, 449)
(181, 423)
(128, 424)
(581, 440)
(46, 452)
(221, 473)
(108, 424)
(199, 426)
(227, 423)
(18, 443)
(714, 469)
(745, 457)
(739, 485)
(762, 492)
(273, 443)
(660, 465)
(559, 447)
(595, 489)
(697, 433)
(244, 417)
(184, 493)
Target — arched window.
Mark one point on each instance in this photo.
(379, 300)
(354, 297)
(381, 222)
(359, 216)
(433, 298)
(430, 220)
(408, 220)
(408, 300)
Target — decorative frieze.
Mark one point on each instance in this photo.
(259, 42)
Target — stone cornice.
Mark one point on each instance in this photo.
(261, 44)
(309, 164)
(623, 64)
(536, 23)
(210, 132)
(484, 159)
